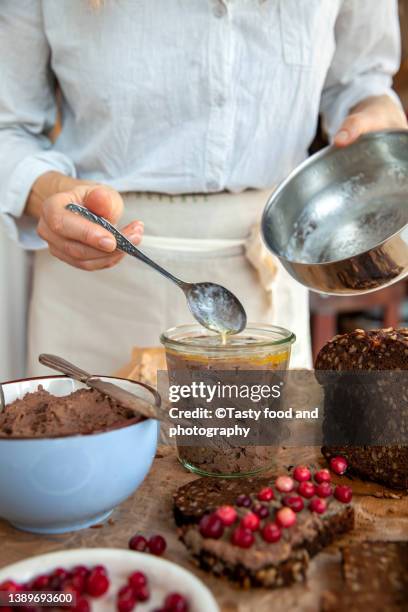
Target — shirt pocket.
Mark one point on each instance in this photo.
(300, 30)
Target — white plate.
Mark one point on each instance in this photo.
(164, 577)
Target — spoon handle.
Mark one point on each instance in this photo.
(2, 399)
(57, 363)
(124, 244)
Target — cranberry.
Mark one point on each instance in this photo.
(338, 465)
(343, 494)
(100, 569)
(322, 476)
(41, 582)
(58, 578)
(261, 511)
(271, 532)
(78, 581)
(82, 605)
(243, 501)
(306, 489)
(318, 505)
(227, 514)
(284, 484)
(285, 517)
(295, 502)
(324, 489)
(79, 570)
(211, 526)
(125, 599)
(69, 589)
(125, 592)
(266, 494)
(301, 473)
(142, 593)
(250, 521)
(62, 573)
(138, 542)
(55, 584)
(157, 545)
(175, 602)
(242, 537)
(137, 580)
(10, 586)
(97, 582)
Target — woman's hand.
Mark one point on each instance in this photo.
(72, 238)
(370, 115)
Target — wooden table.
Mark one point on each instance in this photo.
(381, 514)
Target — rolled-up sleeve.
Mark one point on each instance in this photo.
(27, 114)
(367, 56)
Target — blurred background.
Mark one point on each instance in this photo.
(329, 315)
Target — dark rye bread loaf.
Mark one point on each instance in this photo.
(361, 351)
(375, 578)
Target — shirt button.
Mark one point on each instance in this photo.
(220, 9)
(212, 185)
(219, 100)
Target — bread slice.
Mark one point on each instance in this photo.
(263, 564)
(375, 577)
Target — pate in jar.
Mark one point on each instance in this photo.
(193, 352)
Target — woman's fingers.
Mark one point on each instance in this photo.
(67, 252)
(66, 225)
(77, 241)
(80, 250)
(89, 265)
(70, 226)
(76, 237)
(371, 115)
(353, 127)
(105, 202)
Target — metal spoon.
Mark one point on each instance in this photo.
(213, 306)
(125, 398)
(2, 399)
(139, 405)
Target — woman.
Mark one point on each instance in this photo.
(211, 102)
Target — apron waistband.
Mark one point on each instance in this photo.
(206, 218)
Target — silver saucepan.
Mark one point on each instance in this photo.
(339, 222)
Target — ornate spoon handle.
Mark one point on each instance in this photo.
(124, 244)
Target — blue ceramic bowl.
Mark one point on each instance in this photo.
(54, 485)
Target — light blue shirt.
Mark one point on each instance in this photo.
(180, 96)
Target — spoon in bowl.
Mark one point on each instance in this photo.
(2, 399)
(150, 410)
(212, 305)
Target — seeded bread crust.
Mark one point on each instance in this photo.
(384, 349)
(254, 567)
(375, 578)
(381, 349)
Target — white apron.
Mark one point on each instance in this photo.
(96, 318)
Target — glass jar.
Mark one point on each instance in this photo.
(191, 349)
